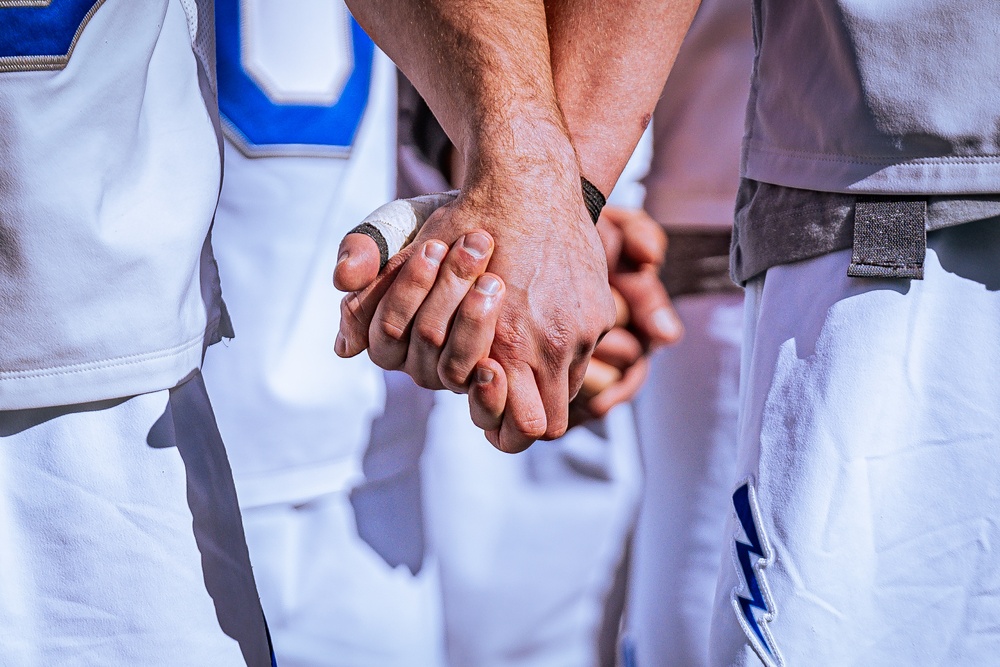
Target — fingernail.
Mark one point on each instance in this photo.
(477, 243)
(344, 254)
(435, 251)
(340, 346)
(666, 323)
(484, 376)
(488, 285)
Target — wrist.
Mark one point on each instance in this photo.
(532, 165)
(593, 199)
(523, 146)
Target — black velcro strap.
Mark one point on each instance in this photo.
(593, 198)
(890, 238)
(374, 234)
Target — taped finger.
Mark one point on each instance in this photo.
(393, 225)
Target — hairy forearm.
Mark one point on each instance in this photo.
(610, 59)
(483, 67)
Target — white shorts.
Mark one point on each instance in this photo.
(686, 422)
(865, 522)
(120, 537)
(528, 544)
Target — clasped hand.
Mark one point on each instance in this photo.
(511, 313)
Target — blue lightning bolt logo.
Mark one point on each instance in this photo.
(744, 501)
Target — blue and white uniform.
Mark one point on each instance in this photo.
(111, 171)
(324, 452)
(120, 539)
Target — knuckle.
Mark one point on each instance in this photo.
(454, 373)
(429, 334)
(352, 311)
(392, 330)
(557, 344)
(426, 381)
(532, 427)
(510, 341)
(383, 358)
(421, 275)
(512, 443)
(474, 311)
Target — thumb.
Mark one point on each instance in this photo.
(357, 263)
(360, 258)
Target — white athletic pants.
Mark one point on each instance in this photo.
(529, 543)
(865, 526)
(120, 538)
(344, 576)
(331, 599)
(686, 423)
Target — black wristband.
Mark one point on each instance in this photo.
(372, 232)
(593, 199)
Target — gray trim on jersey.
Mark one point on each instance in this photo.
(777, 224)
(41, 63)
(251, 149)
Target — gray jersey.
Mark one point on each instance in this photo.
(876, 96)
(863, 96)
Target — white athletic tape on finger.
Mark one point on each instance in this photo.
(393, 225)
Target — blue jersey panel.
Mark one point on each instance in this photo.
(269, 127)
(42, 37)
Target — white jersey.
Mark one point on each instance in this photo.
(107, 287)
(308, 108)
